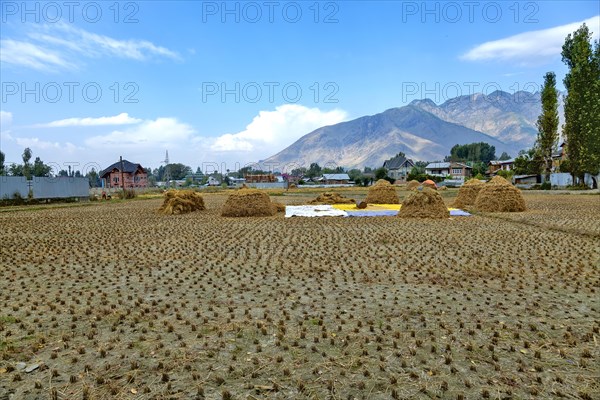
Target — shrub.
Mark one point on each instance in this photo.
(546, 186)
(506, 174)
(126, 194)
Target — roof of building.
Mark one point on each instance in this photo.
(438, 165)
(461, 165)
(509, 161)
(336, 177)
(128, 167)
(525, 176)
(397, 162)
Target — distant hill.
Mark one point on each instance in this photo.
(370, 140)
(422, 130)
(509, 118)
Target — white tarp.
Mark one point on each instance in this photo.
(313, 211)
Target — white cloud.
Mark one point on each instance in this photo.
(271, 131)
(5, 119)
(5, 124)
(62, 46)
(121, 119)
(530, 48)
(150, 134)
(145, 141)
(36, 144)
(32, 56)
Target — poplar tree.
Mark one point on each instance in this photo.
(547, 122)
(582, 118)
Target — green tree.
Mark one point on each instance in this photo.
(504, 156)
(582, 119)
(380, 173)
(40, 169)
(355, 175)
(475, 152)
(528, 162)
(2, 157)
(313, 170)
(26, 165)
(547, 122)
(93, 177)
(178, 171)
(299, 171)
(15, 170)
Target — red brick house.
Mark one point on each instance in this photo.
(133, 175)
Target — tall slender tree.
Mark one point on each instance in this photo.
(582, 119)
(26, 164)
(547, 122)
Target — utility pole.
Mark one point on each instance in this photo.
(122, 180)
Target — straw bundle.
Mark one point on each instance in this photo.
(412, 185)
(181, 202)
(332, 198)
(500, 197)
(382, 192)
(426, 203)
(247, 202)
(468, 193)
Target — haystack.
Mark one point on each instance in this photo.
(278, 207)
(430, 184)
(498, 195)
(181, 202)
(412, 185)
(247, 202)
(382, 192)
(426, 203)
(498, 180)
(331, 198)
(468, 193)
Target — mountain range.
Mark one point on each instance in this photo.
(422, 130)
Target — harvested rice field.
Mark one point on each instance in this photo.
(114, 300)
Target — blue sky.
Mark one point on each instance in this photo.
(232, 83)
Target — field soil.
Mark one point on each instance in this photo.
(113, 300)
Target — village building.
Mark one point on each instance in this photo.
(124, 175)
(455, 169)
(335, 179)
(496, 165)
(398, 167)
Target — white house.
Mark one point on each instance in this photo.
(455, 169)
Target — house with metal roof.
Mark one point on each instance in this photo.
(496, 165)
(455, 169)
(124, 175)
(335, 179)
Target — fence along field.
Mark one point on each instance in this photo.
(44, 187)
(116, 300)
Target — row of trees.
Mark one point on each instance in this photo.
(40, 169)
(27, 169)
(581, 130)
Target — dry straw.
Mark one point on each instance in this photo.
(382, 192)
(278, 207)
(498, 195)
(247, 202)
(468, 193)
(426, 203)
(413, 185)
(332, 198)
(181, 202)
